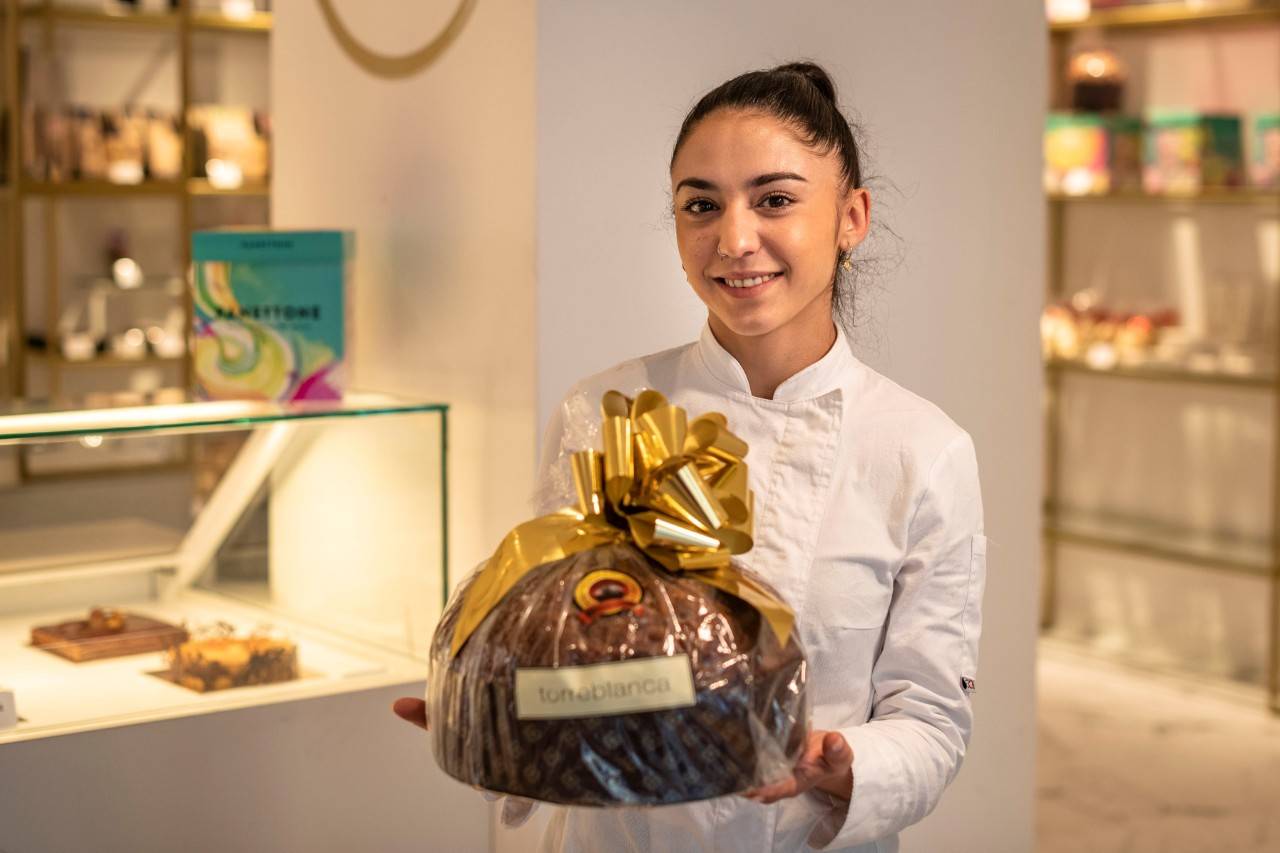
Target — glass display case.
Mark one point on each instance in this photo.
(239, 554)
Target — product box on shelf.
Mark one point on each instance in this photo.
(1187, 152)
(271, 313)
(1088, 154)
(1266, 151)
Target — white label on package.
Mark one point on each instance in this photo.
(601, 689)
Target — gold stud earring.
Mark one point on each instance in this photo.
(846, 261)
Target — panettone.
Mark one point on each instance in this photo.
(603, 679)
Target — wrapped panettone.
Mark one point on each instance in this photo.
(612, 653)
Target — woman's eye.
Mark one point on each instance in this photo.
(772, 199)
(693, 205)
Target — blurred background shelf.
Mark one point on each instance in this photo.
(1161, 373)
(1162, 541)
(100, 188)
(201, 20)
(87, 60)
(105, 360)
(202, 187)
(1171, 15)
(1243, 195)
(1172, 94)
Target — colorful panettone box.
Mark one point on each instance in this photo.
(1190, 152)
(1266, 151)
(271, 314)
(1089, 154)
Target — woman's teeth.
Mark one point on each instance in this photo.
(749, 282)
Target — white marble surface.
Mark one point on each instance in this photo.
(1136, 762)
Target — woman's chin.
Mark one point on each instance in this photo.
(747, 324)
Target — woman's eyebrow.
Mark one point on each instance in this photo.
(758, 181)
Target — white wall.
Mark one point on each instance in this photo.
(953, 116)
(436, 175)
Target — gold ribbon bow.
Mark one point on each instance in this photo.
(677, 490)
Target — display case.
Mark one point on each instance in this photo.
(293, 551)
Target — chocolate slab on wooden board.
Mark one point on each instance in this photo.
(76, 641)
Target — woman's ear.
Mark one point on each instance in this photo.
(855, 217)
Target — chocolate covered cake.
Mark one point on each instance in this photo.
(603, 679)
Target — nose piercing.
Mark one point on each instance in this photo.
(720, 253)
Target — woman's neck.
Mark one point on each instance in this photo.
(774, 357)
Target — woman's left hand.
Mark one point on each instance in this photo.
(825, 764)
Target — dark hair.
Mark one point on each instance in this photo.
(801, 95)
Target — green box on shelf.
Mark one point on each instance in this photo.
(1187, 152)
(1266, 151)
(271, 313)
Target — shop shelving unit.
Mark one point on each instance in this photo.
(48, 16)
(1162, 542)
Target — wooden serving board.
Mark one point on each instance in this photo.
(74, 641)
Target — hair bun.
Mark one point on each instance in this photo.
(815, 74)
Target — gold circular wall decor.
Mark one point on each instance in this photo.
(404, 65)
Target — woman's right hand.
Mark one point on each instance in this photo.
(412, 710)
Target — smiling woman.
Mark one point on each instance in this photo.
(868, 514)
(769, 206)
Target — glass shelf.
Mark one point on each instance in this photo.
(105, 360)
(1163, 373)
(1161, 541)
(201, 186)
(1243, 195)
(26, 420)
(102, 188)
(1168, 15)
(208, 21)
(259, 23)
(176, 284)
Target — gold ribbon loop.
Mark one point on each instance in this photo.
(676, 489)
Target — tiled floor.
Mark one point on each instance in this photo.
(1136, 763)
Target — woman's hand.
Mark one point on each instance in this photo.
(412, 710)
(825, 764)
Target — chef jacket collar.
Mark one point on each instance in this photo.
(823, 376)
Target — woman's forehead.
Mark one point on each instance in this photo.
(730, 148)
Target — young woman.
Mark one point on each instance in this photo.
(868, 506)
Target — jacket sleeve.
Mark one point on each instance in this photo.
(911, 748)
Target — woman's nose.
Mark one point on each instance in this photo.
(737, 233)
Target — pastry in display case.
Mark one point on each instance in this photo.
(106, 633)
(217, 659)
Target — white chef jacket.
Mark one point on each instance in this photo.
(869, 523)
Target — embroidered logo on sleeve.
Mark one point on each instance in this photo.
(968, 685)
